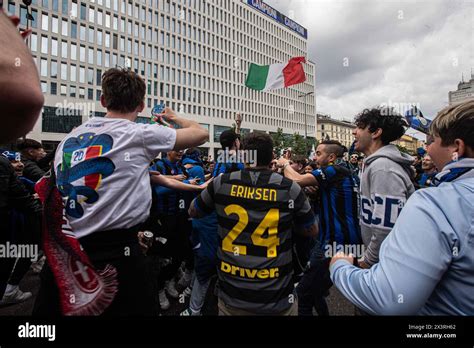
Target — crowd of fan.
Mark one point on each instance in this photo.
(392, 233)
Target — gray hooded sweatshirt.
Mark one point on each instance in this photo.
(385, 187)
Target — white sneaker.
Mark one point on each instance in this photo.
(164, 303)
(185, 280)
(15, 296)
(170, 287)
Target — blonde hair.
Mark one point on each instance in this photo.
(455, 122)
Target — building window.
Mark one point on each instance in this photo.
(34, 22)
(73, 51)
(54, 47)
(63, 49)
(54, 25)
(90, 76)
(82, 33)
(44, 87)
(98, 77)
(34, 42)
(54, 69)
(83, 11)
(44, 67)
(82, 74)
(63, 73)
(65, 7)
(90, 56)
(44, 22)
(54, 88)
(11, 7)
(73, 75)
(63, 27)
(91, 15)
(74, 30)
(23, 18)
(60, 122)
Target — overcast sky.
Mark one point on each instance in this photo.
(397, 51)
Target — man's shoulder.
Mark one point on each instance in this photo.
(447, 192)
(29, 163)
(332, 172)
(384, 164)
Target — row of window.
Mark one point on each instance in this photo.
(223, 11)
(62, 120)
(335, 128)
(170, 92)
(97, 58)
(257, 53)
(139, 31)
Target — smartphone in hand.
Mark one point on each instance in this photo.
(156, 117)
(155, 112)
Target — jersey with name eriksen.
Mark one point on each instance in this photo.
(257, 211)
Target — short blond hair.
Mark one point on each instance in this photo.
(455, 122)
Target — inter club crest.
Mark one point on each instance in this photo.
(82, 169)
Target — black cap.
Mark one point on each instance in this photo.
(227, 138)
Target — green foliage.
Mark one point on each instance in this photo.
(298, 144)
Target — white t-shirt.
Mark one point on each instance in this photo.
(102, 172)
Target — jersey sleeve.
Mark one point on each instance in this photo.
(324, 176)
(157, 139)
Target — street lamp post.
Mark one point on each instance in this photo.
(305, 115)
(29, 17)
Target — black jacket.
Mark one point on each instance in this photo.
(35, 170)
(13, 194)
(32, 170)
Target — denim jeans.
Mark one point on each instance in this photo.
(314, 285)
(198, 295)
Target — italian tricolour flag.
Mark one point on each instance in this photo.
(274, 76)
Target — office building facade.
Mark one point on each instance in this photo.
(193, 55)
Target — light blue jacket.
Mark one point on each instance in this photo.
(426, 263)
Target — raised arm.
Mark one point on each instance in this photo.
(191, 133)
(162, 180)
(303, 180)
